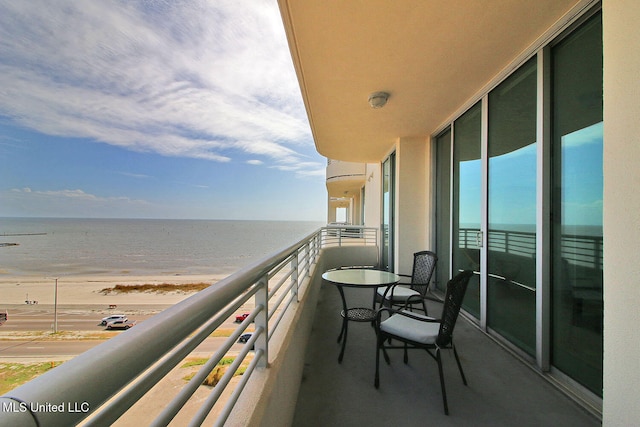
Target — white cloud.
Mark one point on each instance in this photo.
(71, 195)
(201, 79)
(70, 203)
(134, 175)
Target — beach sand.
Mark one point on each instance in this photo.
(79, 294)
(86, 290)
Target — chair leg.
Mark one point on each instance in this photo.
(424, 306)
(379, 342)
(444, 393)
(386, 355)
(406, 355)
(455, 353)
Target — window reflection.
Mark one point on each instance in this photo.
(577, 206)
(511, 242)
(467, 201)
(388, 171)
(443, 212)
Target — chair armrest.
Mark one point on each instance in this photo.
(405, 276)
(392, 287)
(389, 291)
(414, 299)
(378, 316)
(390, 312)
(417, 316)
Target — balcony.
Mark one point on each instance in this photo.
(344, 185)
(502, 389)
(344, 179)
(293, 377)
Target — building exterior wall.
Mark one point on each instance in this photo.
(372, 196)
(412, 207)
(414, 213)
(331, 212)
(621, 212)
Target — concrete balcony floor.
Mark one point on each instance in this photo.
(501, 391)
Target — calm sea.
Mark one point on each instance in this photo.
(140, 246)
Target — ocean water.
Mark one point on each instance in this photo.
(57, 246)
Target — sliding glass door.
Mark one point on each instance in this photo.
(467, 200)
(519, 195)
(511, 242)
(443, 207)
(577, 206)
(388, 196)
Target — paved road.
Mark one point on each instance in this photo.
(43, 320)
(26, 319)
(38, 349)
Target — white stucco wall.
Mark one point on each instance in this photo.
(372, 195)
(621, 212)
(412, 201)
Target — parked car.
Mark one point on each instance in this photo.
(113, 318)
(120, 324)
(240, 318)
(245, 337)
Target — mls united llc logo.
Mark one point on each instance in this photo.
(14, 406)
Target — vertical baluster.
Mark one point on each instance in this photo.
(262, 321)
(294, 276)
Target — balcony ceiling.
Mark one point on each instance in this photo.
(432, 57)
(344, 188)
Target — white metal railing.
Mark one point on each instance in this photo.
(100, 385)
(344, 234)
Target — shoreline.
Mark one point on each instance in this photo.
(86, 290)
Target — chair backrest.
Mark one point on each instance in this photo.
(456, 289)
(424, 263)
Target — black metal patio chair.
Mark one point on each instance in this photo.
(424, 263)
(416, 331)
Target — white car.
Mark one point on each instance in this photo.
(113, 318)
(120, 324)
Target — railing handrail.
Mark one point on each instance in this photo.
(88, 380)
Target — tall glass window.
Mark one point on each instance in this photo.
(508, 182)
(388, 185)
(511, 243)
(443, 209)
(467, 195)
(577, 205)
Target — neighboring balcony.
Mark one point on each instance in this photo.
(345, 179)
(344, 184)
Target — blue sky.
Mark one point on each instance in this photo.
(153, 109)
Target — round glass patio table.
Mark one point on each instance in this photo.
(357, 278)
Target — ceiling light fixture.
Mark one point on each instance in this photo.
(378, 99)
